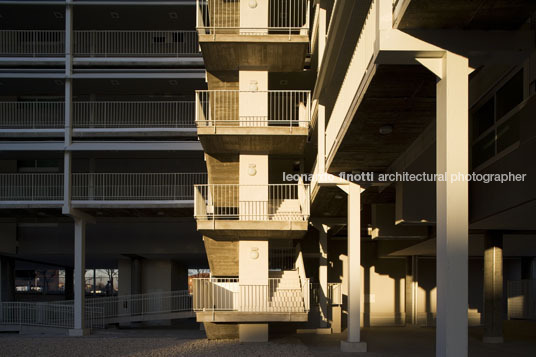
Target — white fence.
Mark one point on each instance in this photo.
(32, 43)
(98, 114)
(253, 17)
(227, 294)
(32, 115)
(44, 314)
(161, 114)
(100, 186)
(140, 304)
(234, 108)
(31, 187)
(281, 202)
(521, 299)
(108, 43)
(135, 186)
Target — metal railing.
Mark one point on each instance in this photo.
(32, 43)
(146, 114)
(521, 299)
(31, 187)
(227, 294)
(101, 114)
(114, 43)
(45, 314)
(253, 18)
(234, 108)
(100, 186)
(278, 202)
(281, 258)
(135, 186)
(32, 115)
(95, 43)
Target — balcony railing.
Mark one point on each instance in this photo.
(168, 114)
(47, 43)
(93, 43)
(101, 114)
(265, 17)
(31, 187)
(279, 202)
(101, 186)
(44, 314)
(227, 294)
(135, 186)
(135, 43)
(32, 115)
(272, 108)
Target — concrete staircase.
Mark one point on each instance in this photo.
(288, 209)
(285, 292)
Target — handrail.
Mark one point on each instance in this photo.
(283, 202)
(135, 186)
(98, 114)
(99, 43)
(255, 108)
(228, 294)
(287, 17)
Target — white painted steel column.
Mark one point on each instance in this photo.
(79, 277)
(67, 184)
(321, 124)
(353, 342)
(452, 207)
(323, 274)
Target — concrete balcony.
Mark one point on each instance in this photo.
(92, 191)
(273, 121)
(252, 211)
(285, 298)
(265, 35)
(98, 119)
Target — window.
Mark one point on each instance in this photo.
(495, 124)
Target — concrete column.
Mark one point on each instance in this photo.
(79, 278)
(493, 287)
(253, 281)
(7, 278)
(410, 291)
(136, 276)
(69, 284)
(322, 29)
(353, 343)
(323, 275)
(452, 207)
(321, 125)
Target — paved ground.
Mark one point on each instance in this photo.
(520, 340)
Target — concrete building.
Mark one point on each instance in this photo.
(356, 163)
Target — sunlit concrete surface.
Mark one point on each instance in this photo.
(188, 340)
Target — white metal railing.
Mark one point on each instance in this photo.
(278, 202)
(44, 314)
(135, 186)
(32, 115)
(227, 294)
(100, 114)
(146, 114)
(281, 258)
(31, 187)
(32, 43)
(354, 78)
(253, 18)
(115, 43)
(521, 299)
(94, 43)
(234, 108)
